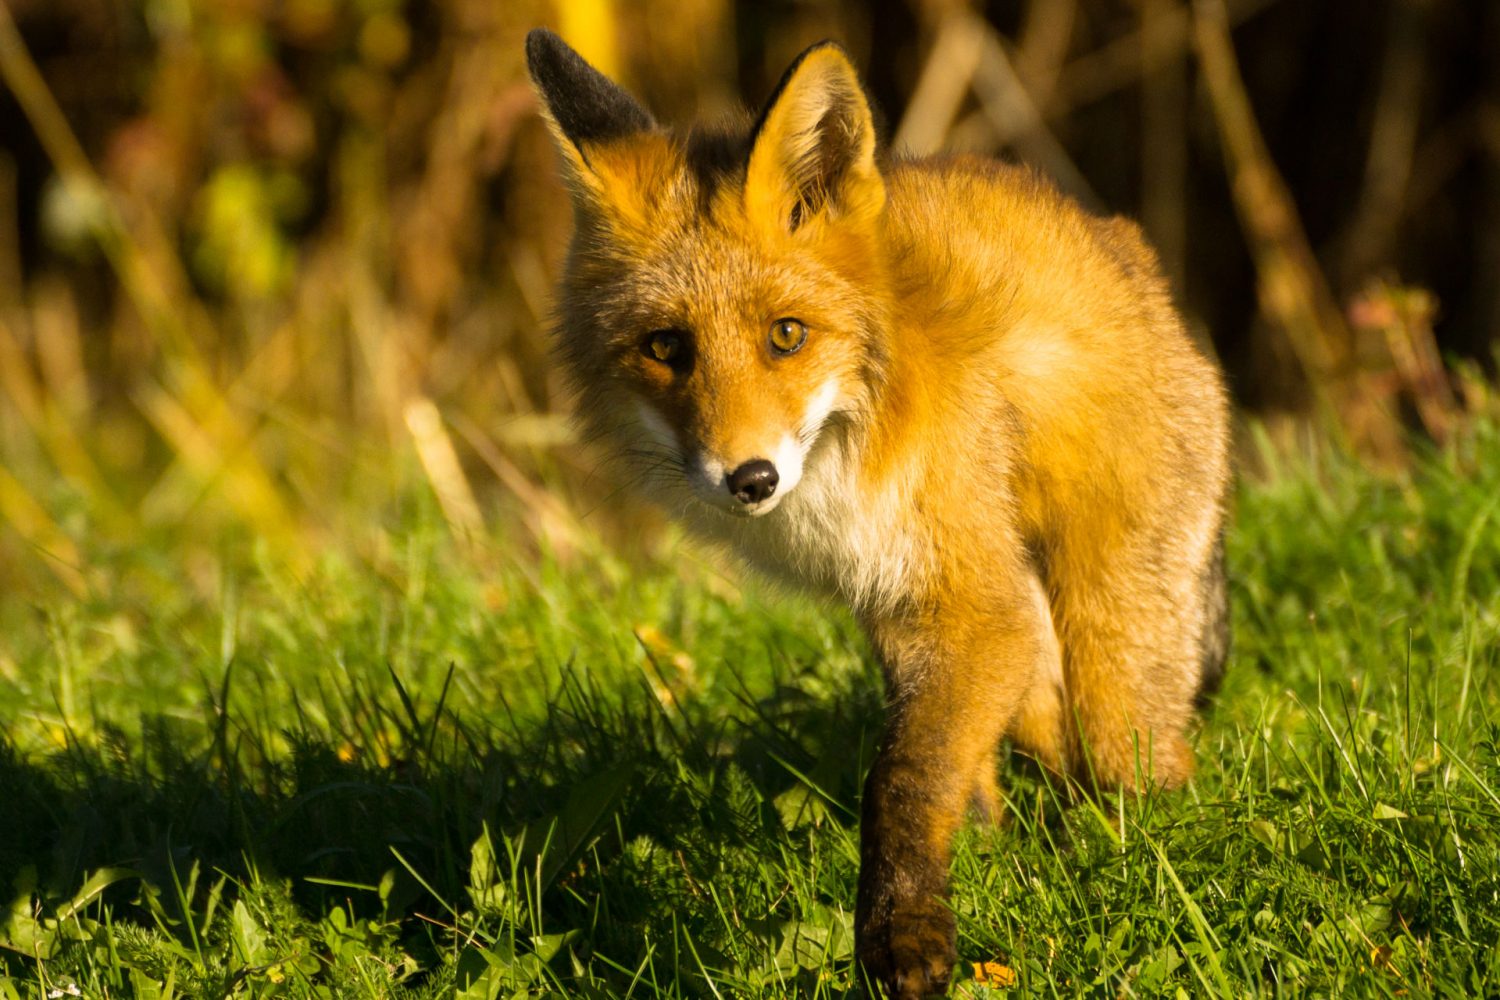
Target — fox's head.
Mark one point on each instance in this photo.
(723, 301)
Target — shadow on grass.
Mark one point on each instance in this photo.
(623, 826)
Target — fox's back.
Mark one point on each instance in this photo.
(1050, 338)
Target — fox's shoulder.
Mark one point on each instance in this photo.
(961, 177)
(1013, 202)
(1003, 239)
(961, 168)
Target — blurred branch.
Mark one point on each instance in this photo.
(1293, 291)
(947, 75)
(1017, 121)
(1393, 141)
(968, 55)
(1489, 130)
(1164, 150)
(1042, 49)
(10, 232)
(1444, 150)
(1111, 67)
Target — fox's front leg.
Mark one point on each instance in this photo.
(955, 680)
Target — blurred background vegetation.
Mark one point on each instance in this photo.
(268, 265)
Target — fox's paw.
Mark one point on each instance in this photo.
(912, 955)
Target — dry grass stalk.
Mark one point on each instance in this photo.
(440, 461)
(547, 517)
(231, 473)
(57, 434)
(36, 527)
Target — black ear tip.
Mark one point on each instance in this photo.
(586, 104)
(543, 47)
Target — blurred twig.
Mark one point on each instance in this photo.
(947, 76)
(1111, 67)
(1293, 291)
(10, 233)
(1042, 49)
(1393, 142)
(967, 55)
(1164, 150)
(1018, 122)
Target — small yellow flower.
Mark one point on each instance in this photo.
(994, 975)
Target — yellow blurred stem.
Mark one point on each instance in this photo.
(54, 430)
(440, 461)
(32, 522)
(242, 481)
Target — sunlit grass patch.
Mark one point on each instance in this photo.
(455, 770)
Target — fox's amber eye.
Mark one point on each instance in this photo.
(665, 346)
(787, 335)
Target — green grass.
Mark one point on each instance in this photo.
(428, 770)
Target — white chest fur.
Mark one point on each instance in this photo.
(834, 533)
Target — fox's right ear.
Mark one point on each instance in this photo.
(584, 108)
(814, 148)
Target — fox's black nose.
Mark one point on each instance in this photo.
(753, 481)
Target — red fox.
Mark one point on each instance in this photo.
(936, 389)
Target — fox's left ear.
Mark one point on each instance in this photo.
(813, 149)
(588, 113)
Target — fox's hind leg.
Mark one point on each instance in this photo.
(1140, 622)
(1037, 729)
(1041, 725)
(984, 800)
